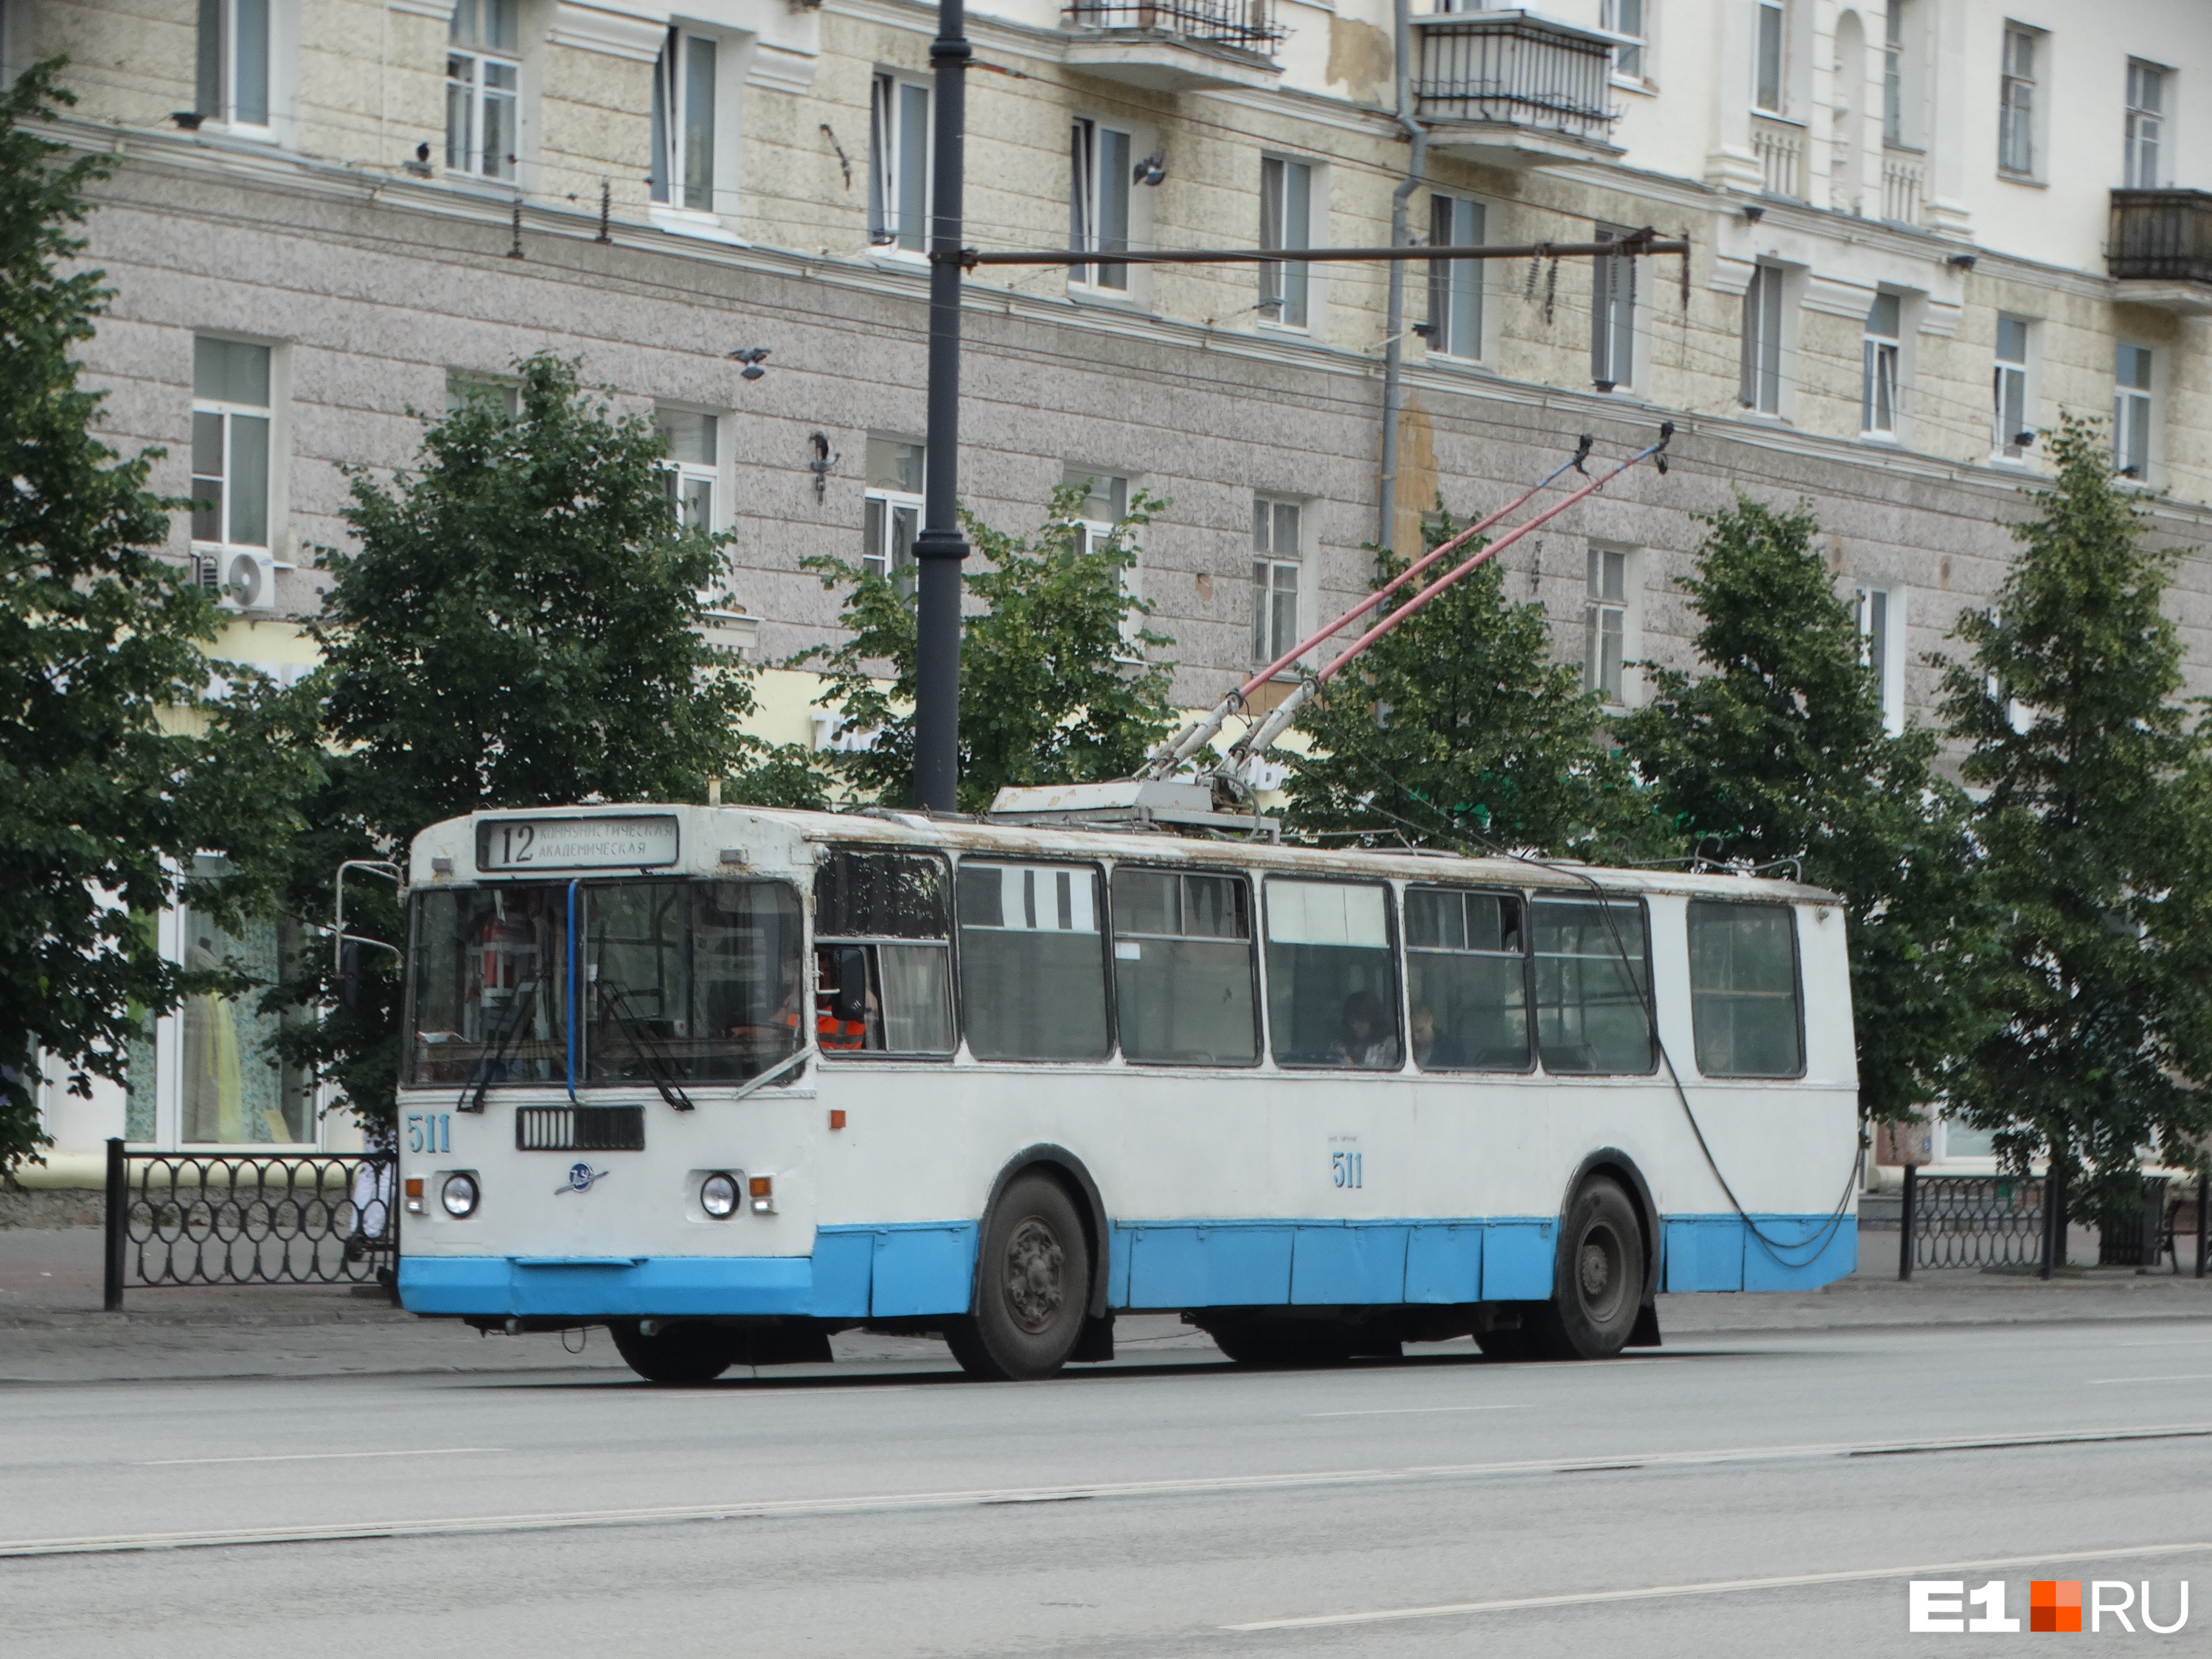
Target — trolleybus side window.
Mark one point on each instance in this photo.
(1592, 981)
(1182, 967)
(490, 978)
(1744, 1000)
(1032, 962)
(1332, 975)
(1467, 979)
(883, 929)
(698, 979)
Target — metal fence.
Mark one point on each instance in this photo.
(1249, 24)
(183, 1218)
(1515, 70)
(2008, 1221)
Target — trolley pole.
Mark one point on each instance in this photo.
(940, 548)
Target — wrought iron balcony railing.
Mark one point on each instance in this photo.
(1511, 69)
(1248, 24)
(2162, 235)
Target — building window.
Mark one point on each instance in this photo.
(1628, 17)
(1612, 315)
(892, 510)
(694, 465)
(1455, 285)
(2131, 412)
(683, 173)
(234, 62)
(1892, 73)
(1881, 637)
(1761, 386)
(1276, 553)
(1100, 178)
(1287, 222)
(2016, 105)
(230, 443)
(1878, 372)
(464, 386)
(483, 81)
(1769, 84)
(2146, 125)
(898, 164)
(232, 1090)
(1605, 623)
(1105, 503)
(2012, 428)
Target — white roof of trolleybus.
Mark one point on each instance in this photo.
(732, 841)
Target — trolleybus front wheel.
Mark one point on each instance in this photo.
(1032, 1288)
(1599, 1289)
(676, 1353)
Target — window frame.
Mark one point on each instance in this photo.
(229, 411)
(216, 77)
(1797, 974)
(1776, 14)
(1595, 607)
(2135, 415)
(815, 939)
(2020, 371)
(1406, 948)
(2136, 149)
(1092, 533)
(1455, 284)
(668, 183)
(890, 95)
(1393, 948)
(1612, 314)
(1287, 286)
(879, 552)
(1761, 362)
(1636, 74)
(1092, 187)
(2018, 109)
(1273, 560)
(681, 473)
(1102, 909)
(1881, 372)
(1882, 653)
(1255, 942)
(479, 94)
(1650, 998)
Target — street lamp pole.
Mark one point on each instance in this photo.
(939, 549)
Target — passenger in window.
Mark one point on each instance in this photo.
(845, 1007)
(1366, 1039)
(1431, 1050)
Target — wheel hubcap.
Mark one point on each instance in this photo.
(1036, 1270)
(1598, 1268)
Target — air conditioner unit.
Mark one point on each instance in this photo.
(249, 582)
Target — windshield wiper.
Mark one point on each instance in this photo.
(645, 1040)
(472, 1097)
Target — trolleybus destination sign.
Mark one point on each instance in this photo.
(623, 843)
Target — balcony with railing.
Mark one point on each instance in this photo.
(1174, 45)
(1779, 146)
(2160, 249)
(1903, 185)
(1515, 89)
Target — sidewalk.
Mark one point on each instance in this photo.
(51, 1328)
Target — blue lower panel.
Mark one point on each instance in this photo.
(1518, 1260)
(1354, 1263)
(1207, 1264)
(1704, 1253)
(1443, 1262)
(1799, 1253)
(854, 1274)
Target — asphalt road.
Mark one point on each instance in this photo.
(1730, 1494)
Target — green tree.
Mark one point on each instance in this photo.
(2095, 826)
(519, 624)
(1055, 685)
(116, 765)
(1461, 727)
(1775, 749)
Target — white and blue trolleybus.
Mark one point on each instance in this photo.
(726, 1081)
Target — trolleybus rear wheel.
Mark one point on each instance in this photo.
(675, 1354)
(1600, 1284)
(1033, 1287)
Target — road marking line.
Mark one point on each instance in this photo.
(1423, 1411)
(2188, 1377)
(305, 1457)
(1719, 1587)
(1197, 1485)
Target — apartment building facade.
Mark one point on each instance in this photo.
(1919, 228)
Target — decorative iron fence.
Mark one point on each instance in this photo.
(1249, 24)
(2162, 235)
(1972, 1221)
(181, 1218)
(1515, 70)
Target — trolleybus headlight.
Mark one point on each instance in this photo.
(458, 1195)
(718, 1196)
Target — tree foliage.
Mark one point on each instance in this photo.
(2100, 993)
(116, 765)
(1055, 687)
(1775, 749)
(1460, 726)
(520, 623)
